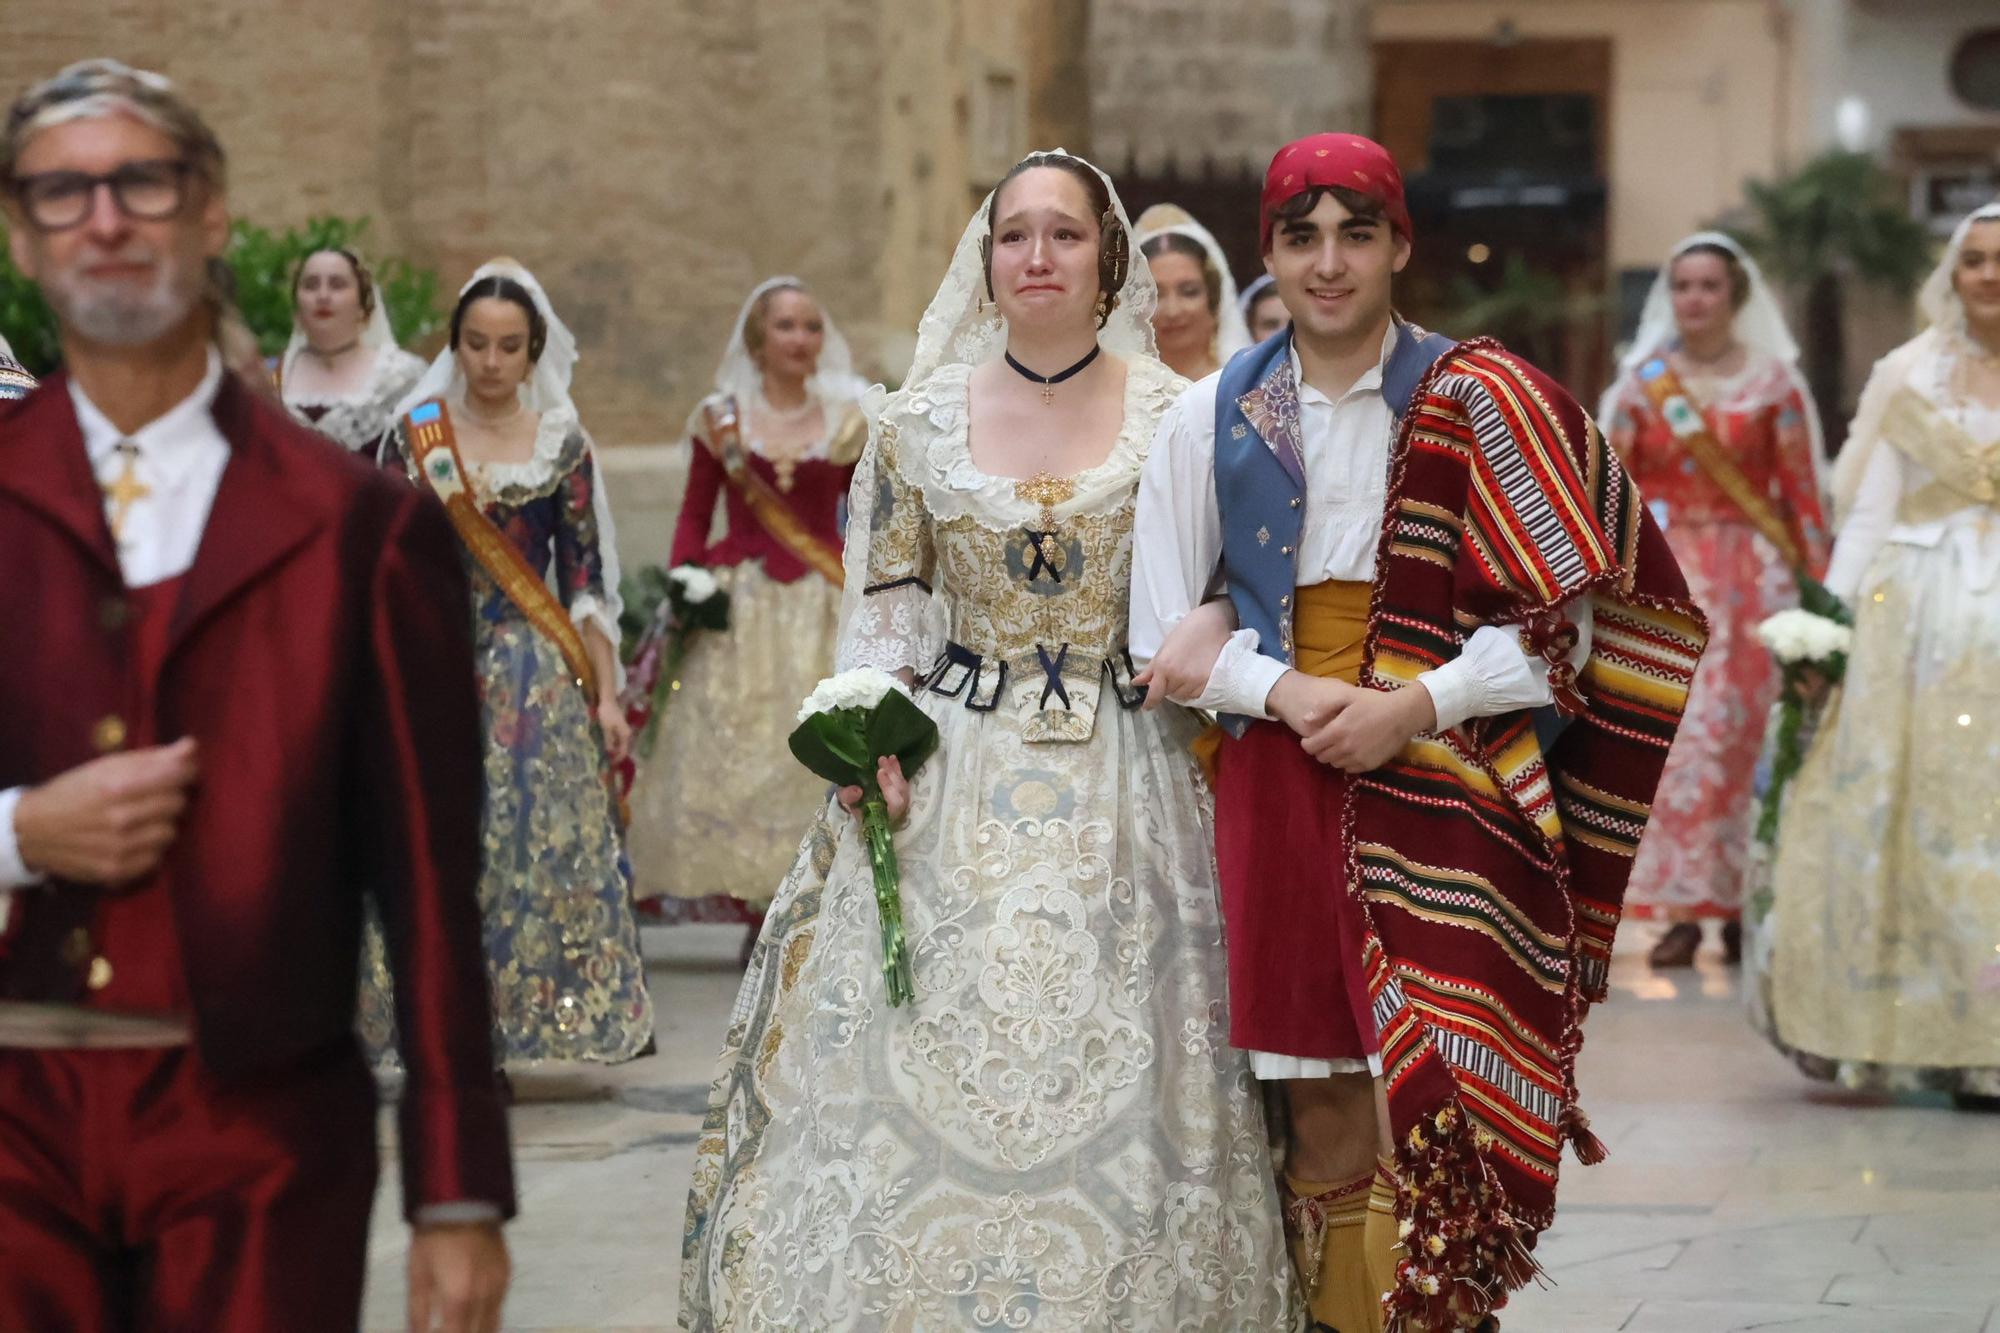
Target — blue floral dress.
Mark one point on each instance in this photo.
(562, 944)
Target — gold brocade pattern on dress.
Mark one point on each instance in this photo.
(1056, 1135)
(719, 805)
(1886, 910)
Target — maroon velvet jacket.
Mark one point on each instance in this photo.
(818, 486)
(322, 657)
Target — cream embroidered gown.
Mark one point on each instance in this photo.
(1056, 1135)
(1885, 918)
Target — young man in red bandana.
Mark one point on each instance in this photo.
(1456, 651)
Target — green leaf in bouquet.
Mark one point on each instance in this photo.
(642, 591)
(897, 726)
(1816, 598)
(712, 614)
(831, 745)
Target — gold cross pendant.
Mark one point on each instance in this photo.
(1048, 395)
(126, 490)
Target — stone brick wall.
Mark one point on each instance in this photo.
(650, 161)
(1180, 81)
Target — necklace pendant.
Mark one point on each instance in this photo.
(1048, 395)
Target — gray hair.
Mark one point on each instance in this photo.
(91, 89)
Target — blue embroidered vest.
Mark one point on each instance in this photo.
(1260, 475)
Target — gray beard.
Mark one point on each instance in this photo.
(123, 319)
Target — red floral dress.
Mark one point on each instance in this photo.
(1692, 860)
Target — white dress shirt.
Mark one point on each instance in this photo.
(180, 461)
(1177, 550)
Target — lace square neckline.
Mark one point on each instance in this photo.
(1127, 403)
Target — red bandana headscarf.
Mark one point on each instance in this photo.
(1346, 160)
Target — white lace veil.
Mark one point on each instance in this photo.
(375, 330)
(1232, 331)
(1759, 325)
(1254, 293)
(546, 389)
(1938, 299)
(1943, 336)
(961, 327)
(833, 382)
(546, 392)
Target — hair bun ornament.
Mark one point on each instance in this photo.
(1115, 252)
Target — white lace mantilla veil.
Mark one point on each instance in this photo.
(1232, 328)
(961, 327)
(1254, 293)
(834, 382)
(376, 333)
(1944, 336)
(1759, 325)
(546, 392)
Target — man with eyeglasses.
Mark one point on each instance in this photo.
(237, 699)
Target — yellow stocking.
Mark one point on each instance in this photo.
(1327, 1225)
(1381, 1248)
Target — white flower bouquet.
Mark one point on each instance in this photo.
(690, 599)
(1811, 639)
(847, 725)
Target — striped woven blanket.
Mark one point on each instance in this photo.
(1492, 860)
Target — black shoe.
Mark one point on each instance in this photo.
(1677, 947)
(1975, 1101)
(1732, 943)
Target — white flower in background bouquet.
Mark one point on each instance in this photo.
(847, 725)
(1800, 637)
(697, 586)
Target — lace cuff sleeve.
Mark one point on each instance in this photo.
(895, 624)
(892, 630)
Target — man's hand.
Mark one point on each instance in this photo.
(1372, 729)
(109, 821)
(1307, 703)
(458, 1278)
(1180, 670)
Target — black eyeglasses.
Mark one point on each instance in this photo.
(149, 191)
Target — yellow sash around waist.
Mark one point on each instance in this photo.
(1330, 630)
(1330, 639)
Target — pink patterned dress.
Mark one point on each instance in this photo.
(1692, 861)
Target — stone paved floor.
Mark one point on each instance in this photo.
(1738, 1196)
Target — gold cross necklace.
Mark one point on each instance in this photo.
(126, 489)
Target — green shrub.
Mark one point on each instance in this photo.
(25, 318)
